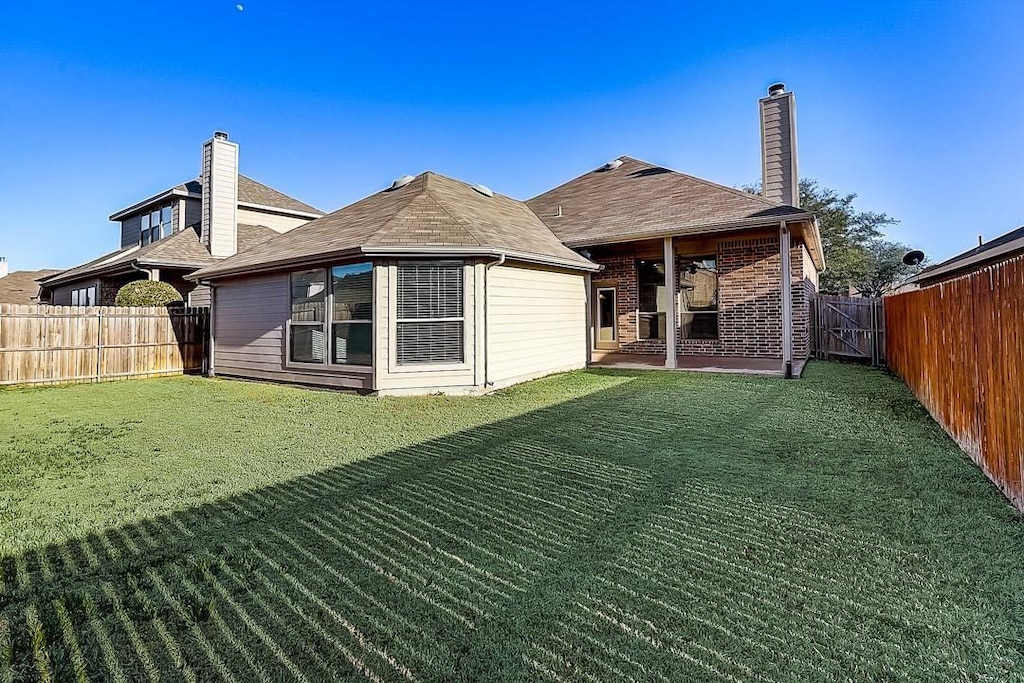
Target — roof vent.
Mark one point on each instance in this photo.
(402, 182)
(612, 165)
(484, 190)
(776, 89)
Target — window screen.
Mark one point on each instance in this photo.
(307, 339)
(698, 287)
(651, 321)
(430, 313)
(352, 314)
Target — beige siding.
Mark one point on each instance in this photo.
(778, 149)
(389, 377)
(275, 221)
(250, 315)
(220, 197)
(536, 323)
(200, 296)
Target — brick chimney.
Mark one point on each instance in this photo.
(780, 180)
(219, 178)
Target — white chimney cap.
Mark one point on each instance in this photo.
(220, 135)
(776, 89)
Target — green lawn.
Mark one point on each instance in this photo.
(597, 526)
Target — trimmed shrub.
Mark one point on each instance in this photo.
(147, 293)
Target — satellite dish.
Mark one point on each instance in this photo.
(913, 257)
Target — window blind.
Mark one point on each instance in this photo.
(430, 313)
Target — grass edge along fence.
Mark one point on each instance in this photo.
(70, 344)
(959, 346)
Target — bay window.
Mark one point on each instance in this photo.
(332, 321)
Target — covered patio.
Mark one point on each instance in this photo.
(723, 364)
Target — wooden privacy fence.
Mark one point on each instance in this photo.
(60, 344)
(959, 346)
(848, 327)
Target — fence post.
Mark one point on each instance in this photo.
(99, 345)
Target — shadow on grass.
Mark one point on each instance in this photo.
(579, 541)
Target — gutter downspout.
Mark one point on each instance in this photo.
(787, 301)
(135, 266)
(210, 372)
(487, 304)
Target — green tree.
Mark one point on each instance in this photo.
(857, 254)
(883, 268)
(147, 293)
(847, 236)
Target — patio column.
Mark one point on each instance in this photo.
(787, 301)
(671, 314)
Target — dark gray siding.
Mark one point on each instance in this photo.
(193, 212)
(130, 229)
(250, 315)
(62, 294)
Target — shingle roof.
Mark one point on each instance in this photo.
(639, 199)
(432, 212)
(1003, 246)
(181, 250)
(20, 286)
(249, 192)
(253, 192)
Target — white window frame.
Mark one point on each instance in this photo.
(326, 326)
(467, 334)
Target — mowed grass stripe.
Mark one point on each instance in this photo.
(715, 528)
(353, 632)
(498, 524)
(492, 536)
(793, 554)
(740, 506)
(437, 552)
(511, 517)
(429, 567)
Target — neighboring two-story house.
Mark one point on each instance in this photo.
(167, 236)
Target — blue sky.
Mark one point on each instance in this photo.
(914, 106)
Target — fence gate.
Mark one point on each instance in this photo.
(848, 327)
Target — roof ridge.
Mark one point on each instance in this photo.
(710, 183)
(440, 203)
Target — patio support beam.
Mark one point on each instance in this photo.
(671, 312)
(787, 301)
(588, 284)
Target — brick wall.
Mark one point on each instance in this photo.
(108, 292)
(805, 286)
(749, 296)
